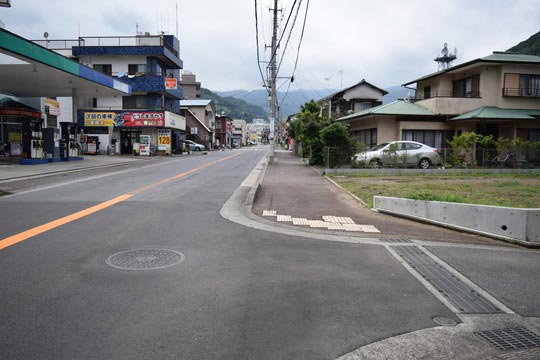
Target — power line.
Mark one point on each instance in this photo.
(274, 51)
(298, 51)
(257, 42)
(290, 33)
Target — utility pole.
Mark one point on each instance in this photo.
(273, 77)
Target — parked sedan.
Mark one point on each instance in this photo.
(193, 146)
(399, 153)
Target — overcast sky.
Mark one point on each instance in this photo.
(387, 42)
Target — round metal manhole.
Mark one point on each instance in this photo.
(145, 259)
(444, 321)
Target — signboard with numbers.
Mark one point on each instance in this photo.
(164, 140)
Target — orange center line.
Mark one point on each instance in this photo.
(17, 238)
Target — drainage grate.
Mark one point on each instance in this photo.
(144, 259)
(511, 338)
(461, 296)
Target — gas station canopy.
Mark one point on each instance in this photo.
(39, 72)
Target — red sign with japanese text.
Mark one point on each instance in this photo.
(144, 118)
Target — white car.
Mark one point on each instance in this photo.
(193, 146)
(399, 153)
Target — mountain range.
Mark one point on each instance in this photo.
(291, 101)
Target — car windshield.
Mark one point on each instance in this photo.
(378, 147)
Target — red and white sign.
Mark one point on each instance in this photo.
(144, 118)
(20, 112)
(171, 84)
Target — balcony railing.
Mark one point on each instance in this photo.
(521, 92)
(446, 94)
(57, 44)
(140, 40)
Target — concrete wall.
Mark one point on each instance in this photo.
(522, 225)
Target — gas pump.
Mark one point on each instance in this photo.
(68, 142)
(33, 139)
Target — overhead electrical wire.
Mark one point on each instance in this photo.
(283, 33)
(257, 42)
(298, 52)
(290, 33)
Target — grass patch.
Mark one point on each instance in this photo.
(447, 197)
(508, 189)
(3, 193)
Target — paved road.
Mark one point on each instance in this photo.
(239, 293)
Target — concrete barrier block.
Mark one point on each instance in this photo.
(503, 222)
(533, 226)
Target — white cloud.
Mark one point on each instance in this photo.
(387, 42)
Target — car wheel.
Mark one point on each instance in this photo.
(424, 163)
(375, 164)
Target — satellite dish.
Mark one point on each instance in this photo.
(46, 35)
(444, 51)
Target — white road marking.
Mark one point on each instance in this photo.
(269, 213)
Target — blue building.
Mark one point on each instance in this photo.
(151, 64)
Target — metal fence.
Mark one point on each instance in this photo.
(356, 157)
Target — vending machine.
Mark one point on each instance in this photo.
(144, 145)
(69, 149)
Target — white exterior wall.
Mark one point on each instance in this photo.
(491, 85)
(109, 103)
(362, 92)
(118, 63)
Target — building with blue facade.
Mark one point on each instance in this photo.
(151, 64)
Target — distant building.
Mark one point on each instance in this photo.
(358, 97)
(223, 130)
(239, 132)
(201, 117)
(192, 88)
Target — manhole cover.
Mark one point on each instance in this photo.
(144, 259)
(444, 321)
(511, 338)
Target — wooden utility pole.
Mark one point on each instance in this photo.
(272, 82)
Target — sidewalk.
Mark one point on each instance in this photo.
(298, 193)
(11, 171)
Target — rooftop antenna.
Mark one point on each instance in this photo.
(176, 3)
(445, 58)
(327, 79)
(341, 79)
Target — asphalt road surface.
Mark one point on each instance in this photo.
(230, 292)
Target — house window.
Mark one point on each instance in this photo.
(529, 134)
(367, 137)
(104, 68)
(433, 138)
(136, 69)
(94, 102)
(521, 85)
(529, 85)
(134, 102)
(361, 106)
(468, 87)
(427, 92)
